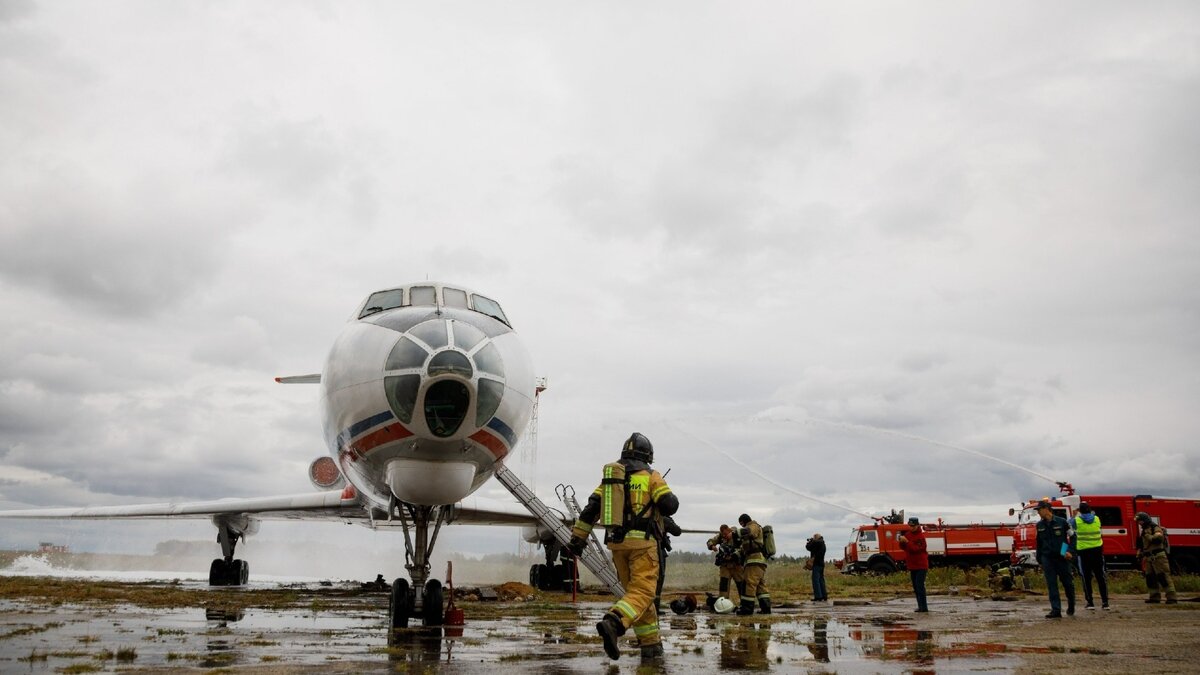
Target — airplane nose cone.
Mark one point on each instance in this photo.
(441, 370)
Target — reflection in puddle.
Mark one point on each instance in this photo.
(550, 638)
(746, 648)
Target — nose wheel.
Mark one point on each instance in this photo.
(403, 605)
(423, 599)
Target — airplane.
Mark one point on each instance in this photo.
(424, 393)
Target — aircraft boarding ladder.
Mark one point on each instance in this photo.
(593, 555)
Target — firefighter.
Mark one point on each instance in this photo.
(646, 500)
(1090, 544)
(755, 561)
(728, 560)
(916, 560)
(1152, 552)
(1055, 550)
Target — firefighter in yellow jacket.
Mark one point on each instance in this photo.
(755, 562)
(630, 503)
(732, 575)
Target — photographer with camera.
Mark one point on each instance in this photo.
(816, 562)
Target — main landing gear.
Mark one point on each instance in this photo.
(552, 577)
(229, 571)
(423, 599)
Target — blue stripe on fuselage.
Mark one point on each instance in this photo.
(495, 424)
(359, 427)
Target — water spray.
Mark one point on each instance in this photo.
(913, 437)
(767, 478)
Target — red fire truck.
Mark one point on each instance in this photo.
(1179, 517)
(873, 548)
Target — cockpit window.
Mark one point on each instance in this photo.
(489, 307)
(422, 295)
(452, 297)
(382, 300)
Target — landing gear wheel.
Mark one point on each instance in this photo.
(399, 606)
(217, 575)
(432, 608)
(239, 573)
(535, 575)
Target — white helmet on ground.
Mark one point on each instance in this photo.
(723, 606)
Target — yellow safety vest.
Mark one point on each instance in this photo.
(1087, 536)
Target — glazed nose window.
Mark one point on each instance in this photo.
(450, 363)
(406, 354)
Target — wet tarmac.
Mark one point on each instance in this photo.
(547, 636)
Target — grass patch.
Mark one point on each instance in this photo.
(30, 630)
(80, 668)
(126, 654)
(34, 657)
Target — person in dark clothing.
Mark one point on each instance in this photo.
(670, 529)
(1055, 550)
(816, 549)
(916, 560)
(1089, 542)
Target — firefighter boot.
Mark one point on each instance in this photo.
(723, 589)
(611, 629)
(747, 607)
(741, 586)
(652, 652)
(764, 605)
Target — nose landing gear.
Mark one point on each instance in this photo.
(424, 598)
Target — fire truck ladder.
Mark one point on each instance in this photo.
(593, 556)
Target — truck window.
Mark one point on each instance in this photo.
(867, 536)
(1109, 515)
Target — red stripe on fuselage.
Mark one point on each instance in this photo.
(367, 443)
(492, 443)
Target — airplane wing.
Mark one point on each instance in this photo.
(332, 505)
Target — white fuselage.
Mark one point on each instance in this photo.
(420, 402)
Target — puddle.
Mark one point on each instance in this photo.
(503, 638)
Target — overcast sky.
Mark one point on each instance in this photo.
(802, 234)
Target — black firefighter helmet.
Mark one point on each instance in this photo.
(638, 447)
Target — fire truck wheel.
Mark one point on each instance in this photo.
(882, 567)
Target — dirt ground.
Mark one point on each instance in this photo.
(52, 625)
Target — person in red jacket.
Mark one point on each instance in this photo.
(917, 560)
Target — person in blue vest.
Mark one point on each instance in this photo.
(1055, 550)
(1090, 544)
